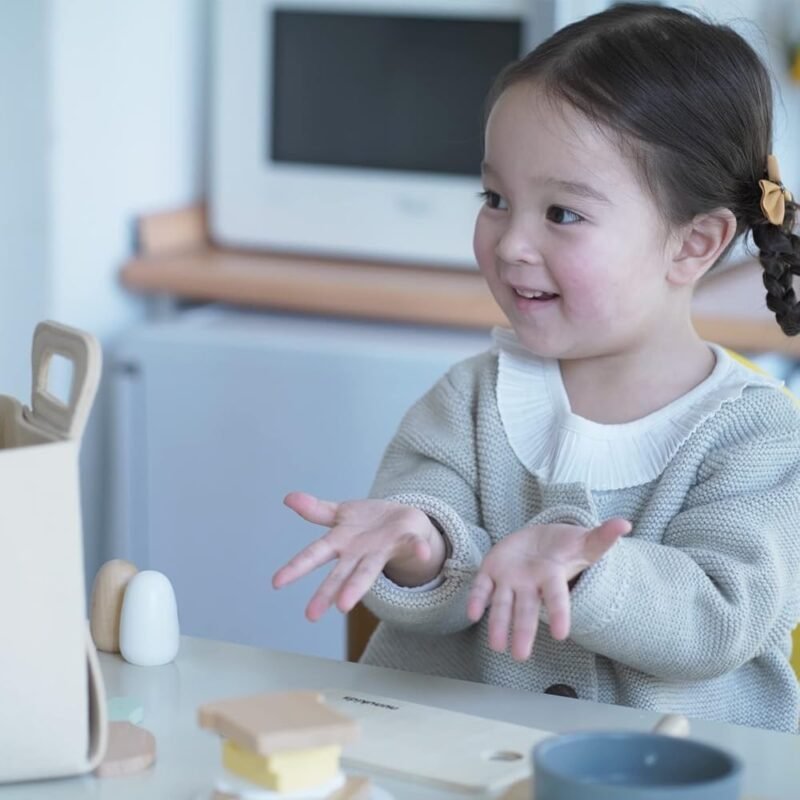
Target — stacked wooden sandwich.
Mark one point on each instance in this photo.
(282, 745)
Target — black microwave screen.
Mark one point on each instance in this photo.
(384, 92)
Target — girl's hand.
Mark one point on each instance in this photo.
(531, 566)
(367, 537)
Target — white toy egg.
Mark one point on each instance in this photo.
(149, 633)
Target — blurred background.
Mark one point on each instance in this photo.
(208, 414)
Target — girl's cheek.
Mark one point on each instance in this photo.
(483, 244)
(586, 297)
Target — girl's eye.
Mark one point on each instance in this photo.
(493, 200)
(563, 216)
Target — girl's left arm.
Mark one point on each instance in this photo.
(721, 583)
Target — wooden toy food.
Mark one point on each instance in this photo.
(108, 591)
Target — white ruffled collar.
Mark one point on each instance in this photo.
(562, 447)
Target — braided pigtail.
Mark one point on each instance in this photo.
(779, 251)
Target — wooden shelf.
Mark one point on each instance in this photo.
(176, 259)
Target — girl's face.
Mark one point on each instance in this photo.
(572, 246)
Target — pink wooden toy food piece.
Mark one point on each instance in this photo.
(131, 749)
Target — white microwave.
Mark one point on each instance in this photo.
(353, 128)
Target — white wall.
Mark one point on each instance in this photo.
(24, 179)
(102, 120)
(128, 94)
(128, 100)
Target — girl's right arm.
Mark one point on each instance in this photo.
(421, 543)
(365, 537)
(432, 465)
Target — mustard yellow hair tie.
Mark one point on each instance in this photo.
(774, 195)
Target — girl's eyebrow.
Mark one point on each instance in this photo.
(579, 189)
(571, 187)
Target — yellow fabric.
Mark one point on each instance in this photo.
(287, 771)
(774, 194)
(795, 658)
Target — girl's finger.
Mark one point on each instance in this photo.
(422, 548)
(555, 594)
(481, 591)
(525, 625)
(312, 509)
(601, 539)
(317, 554)
(326, 594)
(360, 581)
(500, 618)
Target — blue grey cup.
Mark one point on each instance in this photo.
(612, 765)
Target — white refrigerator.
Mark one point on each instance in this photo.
(217, 414)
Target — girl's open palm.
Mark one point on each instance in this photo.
(365, 536)
(533, 566)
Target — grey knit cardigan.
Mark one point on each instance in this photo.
(691, 613)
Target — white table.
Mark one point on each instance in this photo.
(189, 758)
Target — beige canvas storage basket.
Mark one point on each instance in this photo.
(52, 702)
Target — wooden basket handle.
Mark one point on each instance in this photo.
(83, 350)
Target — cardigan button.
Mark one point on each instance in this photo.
(561, 690)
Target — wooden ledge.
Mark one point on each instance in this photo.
(177, 259)
(299, 284)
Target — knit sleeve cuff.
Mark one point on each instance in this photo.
(568, 515)
(443, 600)
(600, 594)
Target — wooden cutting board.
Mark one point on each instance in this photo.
(430, 745)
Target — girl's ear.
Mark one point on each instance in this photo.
(699, 244)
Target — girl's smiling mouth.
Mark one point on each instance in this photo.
(534, 294)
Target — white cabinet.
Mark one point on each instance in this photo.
(217, 415)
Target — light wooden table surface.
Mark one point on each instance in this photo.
(189, 759)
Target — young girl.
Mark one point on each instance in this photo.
(622, 496)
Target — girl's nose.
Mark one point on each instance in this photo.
(517, 245)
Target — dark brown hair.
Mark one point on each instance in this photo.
(692, 102)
